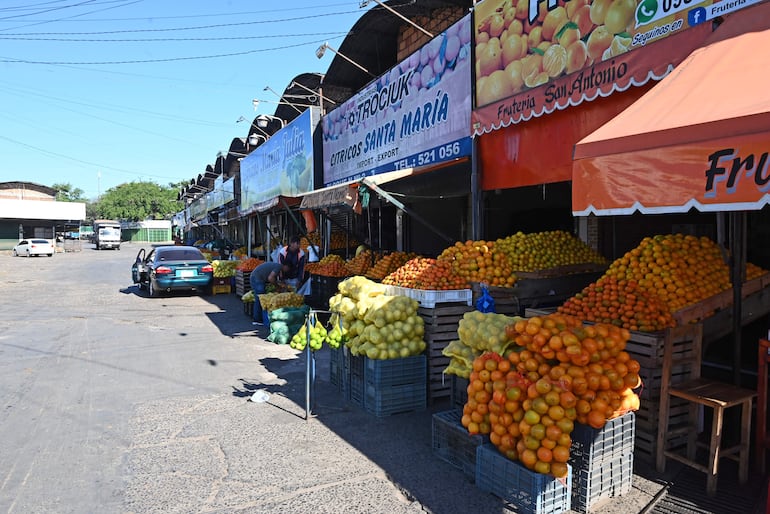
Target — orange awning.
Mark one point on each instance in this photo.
(700, 138)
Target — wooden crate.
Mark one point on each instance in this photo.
(721, 301)
(221, 289)
(242, 282)
(441, 323)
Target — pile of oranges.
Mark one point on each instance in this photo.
(619, 302)
(359, 264)
(388, 264)
(249, 264)
(479, 261)
(426, 273)
(563, 373)
(331, 265)
(663, 274)
(543, 250)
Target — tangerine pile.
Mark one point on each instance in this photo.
(248, 264)
(680, 269)
(426, 273)
(564, 372)
(544, 250)
(359, 264)
(619, 302)
(388, 264)
(331, 265)
(479, 261)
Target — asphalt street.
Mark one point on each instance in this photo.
(113, 402)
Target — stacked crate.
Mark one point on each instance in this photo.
(602, 461)
(524, 490)
(441, 323)
(453, 444)
(221, 285)
(383, 387)
(647, 348)
(242, 282)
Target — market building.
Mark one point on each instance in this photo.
(30, 210)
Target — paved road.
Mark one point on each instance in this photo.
(112, 402)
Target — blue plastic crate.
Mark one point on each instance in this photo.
(387, 372)
(525, 490)
(452, 442)
(592, 446)
(608, 479)
(388, 400)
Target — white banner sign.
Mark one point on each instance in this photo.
(417, 114)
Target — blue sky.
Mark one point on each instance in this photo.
(97, 93)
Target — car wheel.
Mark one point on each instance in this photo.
(154, 293)
(50, 255)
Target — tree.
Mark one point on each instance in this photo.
(138, 201)
(67, 193)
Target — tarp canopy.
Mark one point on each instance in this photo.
(699, 139)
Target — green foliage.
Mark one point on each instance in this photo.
(67, 193)
(137, 201)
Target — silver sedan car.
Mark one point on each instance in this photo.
(30, 247)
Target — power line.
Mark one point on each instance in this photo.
(169, 59)
(81, 161)
(176, 29)
(143, 40)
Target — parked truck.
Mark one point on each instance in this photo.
(106, 234)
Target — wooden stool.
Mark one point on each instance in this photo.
(762, 437)
(700, 392)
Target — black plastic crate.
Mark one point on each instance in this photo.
(526, 491)
(609, 479)
(459, 391)
(388, 400)
(387, 372)
(591, 446)
(452, 442)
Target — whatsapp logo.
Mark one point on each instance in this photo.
(646, 11)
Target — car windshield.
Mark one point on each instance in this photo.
(180, 255)
(39, 242)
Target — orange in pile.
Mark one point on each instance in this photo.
(679, 269)
(619, 302)
(564, 372)
(426, 273)
(359, 264)
(480, 261)
(331, 265)
(388, 264)
(249, 264)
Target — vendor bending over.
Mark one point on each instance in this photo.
(266, 273)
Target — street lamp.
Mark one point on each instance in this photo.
(280, 98)
(254, 139)
(263, 120)
(364, 3)
(321, 50)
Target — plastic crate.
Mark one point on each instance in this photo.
(525, 490)
(459, 391)
(248, 309)
(388, 400)
(429, 298)
(606, 480)
(591, 446)
(387, 372)
(452, 442)
(357, 381)
(221, 289)
(339, 369)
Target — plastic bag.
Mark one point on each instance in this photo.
(304, 289)
(485, 303)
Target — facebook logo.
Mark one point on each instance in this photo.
(696, 16)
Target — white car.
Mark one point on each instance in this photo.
(30, 247)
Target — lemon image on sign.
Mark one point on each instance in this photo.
(646, 11)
